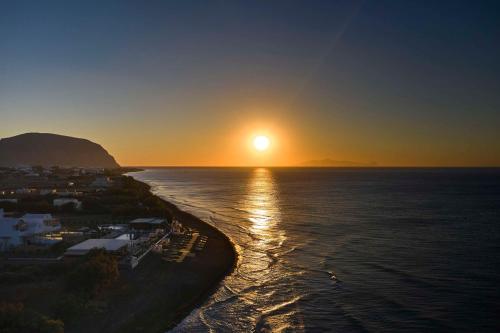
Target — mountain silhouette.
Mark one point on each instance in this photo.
(47, 150)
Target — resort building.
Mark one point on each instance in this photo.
(38, 224)
(29, 229)
(115, 246)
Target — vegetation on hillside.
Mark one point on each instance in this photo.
(15, 318)
(97, 271)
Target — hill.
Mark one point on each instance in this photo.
(333, 163)
(53, 150)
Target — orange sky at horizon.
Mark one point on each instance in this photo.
(224, 138)
(230, 144)
(191, 84)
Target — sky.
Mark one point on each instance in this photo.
(391, 83)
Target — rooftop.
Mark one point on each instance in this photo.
(106, 244)
(37, 216)
(148, 221)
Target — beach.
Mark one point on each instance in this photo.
(157, 295)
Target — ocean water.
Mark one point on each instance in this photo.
(347, 250)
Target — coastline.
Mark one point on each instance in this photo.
(153, 297)
(228, 260)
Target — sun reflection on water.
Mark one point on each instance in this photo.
(262, 204)
(261, 266)
(263, 218)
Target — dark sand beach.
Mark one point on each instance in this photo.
(157, 295)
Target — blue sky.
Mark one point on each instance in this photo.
(157, 82)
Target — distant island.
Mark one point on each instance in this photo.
(45, 149)
(333, 163)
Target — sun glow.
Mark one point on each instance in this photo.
(261, 142)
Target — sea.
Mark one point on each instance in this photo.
(347, 249)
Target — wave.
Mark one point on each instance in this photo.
(267, 322)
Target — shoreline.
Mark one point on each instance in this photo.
(156, 296)
(231, 260)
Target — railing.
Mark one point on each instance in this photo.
(137, 260)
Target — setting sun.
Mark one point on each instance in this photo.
(261, 143)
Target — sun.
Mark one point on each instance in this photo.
(261, 142)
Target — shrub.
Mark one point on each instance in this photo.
(93, 205)
(15, 318)
(8, 206)
(68, 207)
(69, 307)
(98, 271)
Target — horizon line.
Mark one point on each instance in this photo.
(318, 166)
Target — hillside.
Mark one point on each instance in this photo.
(51, 149)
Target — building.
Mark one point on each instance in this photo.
(32, 175)
(114, 246)
(24, 168)
(92, 171)
(25, 191)
(9, 200)
(68, 193)
(9, 236)
(38, 224)
(29, 229)
(101, 182)
(147, 223)
(47, 191)
(77, 204)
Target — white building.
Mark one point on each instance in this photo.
(28, 229)
(77, 204)
(47, 191)
(38, 224)
(9, 200)
(117, 246)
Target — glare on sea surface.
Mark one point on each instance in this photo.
(261, 204)
(261, 142)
